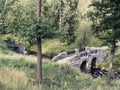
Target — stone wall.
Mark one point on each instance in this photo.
(78, 56)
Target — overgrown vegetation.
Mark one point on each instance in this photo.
(105, 24)
(61, 21)
(20, 74)
(3, 48)
(18, 24)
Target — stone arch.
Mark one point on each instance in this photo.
(83, 66)
(94, 62)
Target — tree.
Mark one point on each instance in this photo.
(5, 7)
(106, 25)
(66, 19)
(21, 21)
(39, 50)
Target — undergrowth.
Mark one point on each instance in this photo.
(20, 74)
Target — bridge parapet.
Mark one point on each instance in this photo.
(87, 54)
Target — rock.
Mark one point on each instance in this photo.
(16, 47)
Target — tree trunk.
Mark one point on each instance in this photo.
(39, 60)
(39, 50)
(112, 55)
(38, 10)
(110, 71)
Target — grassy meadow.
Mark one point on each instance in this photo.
(18, 72)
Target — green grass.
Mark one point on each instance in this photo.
(3, 48)
(53, 47)
(20, 74)
(116, 61)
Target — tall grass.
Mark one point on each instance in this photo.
(20, 74)
(116, 61)
(3, 48)
(53, 47)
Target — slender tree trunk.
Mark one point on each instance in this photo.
(38, 10)
(112, 55)
(60, 15)
(39, 46)
(110, 71)
(39, 61)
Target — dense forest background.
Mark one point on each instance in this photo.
(64, 24)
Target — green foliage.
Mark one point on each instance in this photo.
(20, 21)
(3, 48)
(85, 36)
(6, 8)
(59, 19)
(116, 62)
(106, 21)
(1, 5)
(105, 18)
(53, 47)
(66, 19)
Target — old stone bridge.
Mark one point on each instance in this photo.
(82, 58)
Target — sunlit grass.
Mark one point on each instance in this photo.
(18, 72)
(53, 47)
